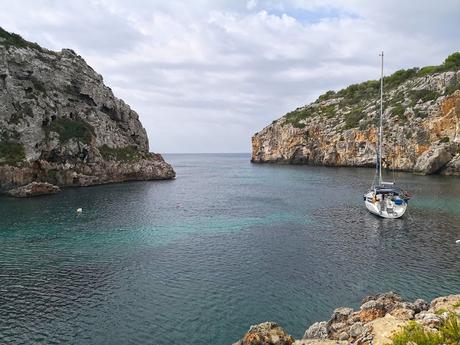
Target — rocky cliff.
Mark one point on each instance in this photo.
(421, 124)
(60, 124)
(382, 319)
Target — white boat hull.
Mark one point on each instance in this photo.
(384, 209)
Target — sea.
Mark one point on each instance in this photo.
(227, 244)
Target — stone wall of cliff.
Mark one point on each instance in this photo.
(60, 124)
(421, 125)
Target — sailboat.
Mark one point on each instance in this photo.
(384, 199)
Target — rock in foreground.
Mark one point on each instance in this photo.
(377, 320)
(60, 124)
(267, 333)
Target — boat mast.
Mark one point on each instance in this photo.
(380, 128)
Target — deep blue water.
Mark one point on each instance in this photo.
(227, 244)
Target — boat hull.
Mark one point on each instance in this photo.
(384, 209)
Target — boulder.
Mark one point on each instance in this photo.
(34, 189)
(383, 328)
(420, 305)
(453, 167)
(434, 159)
(267, 333)
(316, 331)
(356, 329)
(370, 311)
(428, 319)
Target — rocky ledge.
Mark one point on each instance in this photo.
(421, 125)
(59, 123)
(379, 318)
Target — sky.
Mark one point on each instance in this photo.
(205, 75)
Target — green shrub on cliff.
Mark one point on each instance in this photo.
(353, 117)
(414, 333)
(424, 95)
(399, 77)
(453, 86)
(452, 62)
(294, 117)
(121, 154)
(69, 129)
(11, 153)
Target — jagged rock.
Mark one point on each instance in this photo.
(383, 328)
(403, 313)
(344, 327)
(267, 333)
(34, 189)
(343, 336)
(449, 303)
(60, 124)
(428, 319)
(316, 331)
(421, 133)
(356, 329)
(434, 159)
(452, 167)
(341, 314)
(318, 342)
(420, 305)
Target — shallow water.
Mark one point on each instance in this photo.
(227, 244)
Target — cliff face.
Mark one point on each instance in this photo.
(421, 125)
(60, 124)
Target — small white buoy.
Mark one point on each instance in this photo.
(458, 241)
(79, 210)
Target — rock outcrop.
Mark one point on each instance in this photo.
(421, 125)
(60, 124)
(34, 189)
(267, 333)
(377, 320)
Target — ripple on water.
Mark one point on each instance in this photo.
(226, 245)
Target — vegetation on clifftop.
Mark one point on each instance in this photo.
(354, 97)
(11, 39)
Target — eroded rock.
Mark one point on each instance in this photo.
(34, 189)
(267, 333)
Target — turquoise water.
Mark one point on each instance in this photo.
(227, 244)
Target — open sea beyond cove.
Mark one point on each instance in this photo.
(227, 244)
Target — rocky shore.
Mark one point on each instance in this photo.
(377, 320)
(421, 125)
(60, 125)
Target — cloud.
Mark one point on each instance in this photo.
(204, 76)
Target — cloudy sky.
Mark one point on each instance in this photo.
(204, 75)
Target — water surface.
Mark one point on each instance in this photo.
(227, 244)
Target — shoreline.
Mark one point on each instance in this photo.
(378, 319)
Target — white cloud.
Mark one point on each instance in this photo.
(204, 76)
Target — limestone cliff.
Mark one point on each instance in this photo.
(60, 124)
(421, 125)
